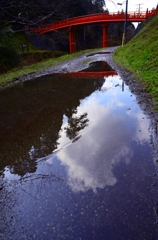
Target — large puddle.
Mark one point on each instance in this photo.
(76, 160)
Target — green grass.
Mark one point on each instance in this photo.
(19, 72)
(140, 57)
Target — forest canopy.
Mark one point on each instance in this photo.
(36, 12)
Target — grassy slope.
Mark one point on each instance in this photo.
(140, 56)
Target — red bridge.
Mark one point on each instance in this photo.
(90, 74)
(103, 18)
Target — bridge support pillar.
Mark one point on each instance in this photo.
(72, 39)
(105, 35)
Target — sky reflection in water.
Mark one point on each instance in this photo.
(114, 123)
(96, 185)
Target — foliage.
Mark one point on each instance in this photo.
(9, 58)
(34, 12)
(140, 56)
(115, 32)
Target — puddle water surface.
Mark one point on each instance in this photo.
(76, 161)
(98, 66)
(93, 54)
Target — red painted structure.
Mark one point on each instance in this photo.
(89, 74)
(103, 18)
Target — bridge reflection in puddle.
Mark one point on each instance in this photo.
(95, 69)
(80, 162)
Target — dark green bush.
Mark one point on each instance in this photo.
(9, 58)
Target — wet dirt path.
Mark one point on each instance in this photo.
(78, 155)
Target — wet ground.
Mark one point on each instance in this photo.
(78, 158)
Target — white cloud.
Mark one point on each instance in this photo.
(105, 142)
(142, 126)
(90, 160)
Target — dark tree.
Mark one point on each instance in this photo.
(75, 125)
(34, 12)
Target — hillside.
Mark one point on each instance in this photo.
(140, 56)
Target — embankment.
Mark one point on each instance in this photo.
(140, 57)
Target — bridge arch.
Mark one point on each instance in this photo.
(103, 18)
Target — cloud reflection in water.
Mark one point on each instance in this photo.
(105, 142)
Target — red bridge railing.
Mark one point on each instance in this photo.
(95, 18)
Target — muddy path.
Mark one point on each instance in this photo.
(76, 155)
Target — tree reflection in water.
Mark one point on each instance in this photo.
(75, 125)
(32, 114)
